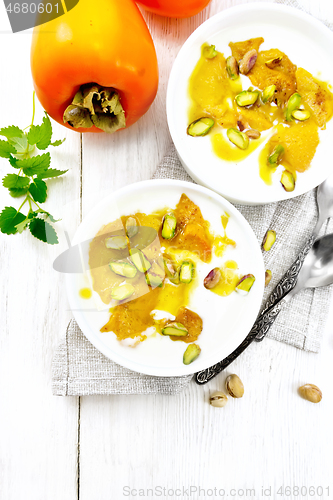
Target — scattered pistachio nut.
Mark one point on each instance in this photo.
(269, 240)
(247, 98)
(218, 399)
(116, 242)
(248, 61)
(212, 279)
(272, 63)
(123, 268)
(191, 353)
(268, 277)
(186, 272)
(200, 127)
(232, 68)
(294, 102)
(170, 270)
(234, 386)
(245, 284)
(169, 224)
(276, 156)
(153, 280)
(238, 138)
(122, 292)
(175, 329)
(301, 114)
(288, 181)
(311, 393)
(139, 260)
(131, 227)
(268, 94)
(252, 133)
(209, 51)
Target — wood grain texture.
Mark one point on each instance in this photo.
(38, 432)
(269, 438)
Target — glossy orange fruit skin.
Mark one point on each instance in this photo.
(105, 42)
(174, 8)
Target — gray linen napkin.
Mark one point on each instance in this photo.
(80, 369)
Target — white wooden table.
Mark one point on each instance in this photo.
(103, 448)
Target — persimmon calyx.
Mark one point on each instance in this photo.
(96, 105)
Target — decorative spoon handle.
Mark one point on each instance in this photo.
(266, 318)
(285, 285)
(262, 324)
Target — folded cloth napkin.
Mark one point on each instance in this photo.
(79, 369)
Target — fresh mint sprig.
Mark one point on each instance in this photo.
(28, 179)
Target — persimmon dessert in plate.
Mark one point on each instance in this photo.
(172, 276)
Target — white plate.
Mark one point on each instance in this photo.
(226, 320)
(308, 44)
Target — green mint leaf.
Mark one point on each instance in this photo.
(12, 161)
(51, 172)
(35, 165)
(12, 131)
(58, 142)
(6, 148)
(38, 190)
(22, 225)
(41, 134)
(15, 181)
(9, 218)
(21, 145)
(43, 231)
(17, 192)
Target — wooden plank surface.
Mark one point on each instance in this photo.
(270, 438)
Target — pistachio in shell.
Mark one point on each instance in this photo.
(218, 399)
(311, 393)
(234, 386)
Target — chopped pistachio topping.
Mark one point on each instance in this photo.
(209, 51)
(247, 97)
(238, 138)
(293, 104)
(269, 240)
(301, 114)
(232, 67)
(200, 127)
(276, 156)
(288, 181)
(191, 353)
(96, 105)
(268, 93)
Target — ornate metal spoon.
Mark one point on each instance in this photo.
(315, 270)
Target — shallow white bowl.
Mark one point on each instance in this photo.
(306, 41)
(226, 320)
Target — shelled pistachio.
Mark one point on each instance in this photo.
(248, 61)
(169, 225)
(253, 134)
(212, 279)
(122, 292)
(269, 240)
(245, 284)
(268, 277)
(232, 67)
(191, 353)
(200, 127)
(273, 63)
(238, 138)
(276, 156)
(175, 329)
(131, 227)
(268, 94)
(209, 51)
(294, 102)
(247, 97)
(116, 242)
(301, 114)
(123, 268)
(288, 181)
(186, 272)
(139, 260)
